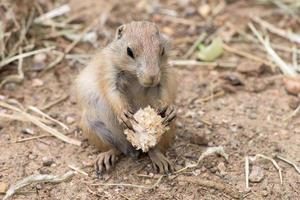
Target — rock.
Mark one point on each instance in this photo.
(292, 85)
(47, 161)
(70, 119)
(251, 68)
(265, 193)
(44, 170)
(39, 187)
(204, 10)
(10, 86)
(222, 169)
(252, 115)
(190, 11)
(233, 128)
(294, 102)
(27, 131)
(199, 124)
(3, 187)
(167, 30)
(39, 61)
(199, 139)
(179, 124)
(37, 82)
(256, 174)
(32, 156)
(234, 79)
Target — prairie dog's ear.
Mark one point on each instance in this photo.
(120, 31)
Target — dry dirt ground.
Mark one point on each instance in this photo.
(247, 120)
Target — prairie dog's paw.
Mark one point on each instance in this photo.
(168, 113)
(106, 160)
(126, 118)
(160, 163)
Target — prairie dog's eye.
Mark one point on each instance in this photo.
(162, 52)
(130, 53)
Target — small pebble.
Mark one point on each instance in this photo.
(47, 161)
(44, 170)
(179, 124)
(197, 172)
(222, 168)
(10, 86)
(190, 11)
(198, 138)
(294, 102)
(70, 120)
(37, 82)
(27, 131)
(204, 10)
(39, 61)
(256, 174)
(265, 193)
(251, 68)
(199, 124)
(3, 187)
(32, 156)
(54, 115)
(39, 187)
(252, 115)
(233, 128)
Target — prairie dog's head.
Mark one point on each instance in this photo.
(142, 51)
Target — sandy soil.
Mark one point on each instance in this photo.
(247, 120)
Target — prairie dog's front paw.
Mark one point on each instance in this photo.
(168, 113)
(126, 118)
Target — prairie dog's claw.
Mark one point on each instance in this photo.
(168, 113)
(105, 161)
(160, 163)
(126, 119)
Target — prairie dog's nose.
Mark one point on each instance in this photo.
(151, 80)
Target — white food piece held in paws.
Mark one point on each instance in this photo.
(148, 131)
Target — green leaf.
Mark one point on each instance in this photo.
(212, 51)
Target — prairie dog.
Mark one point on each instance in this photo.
(129, 73)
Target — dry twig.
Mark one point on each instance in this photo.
(15, 78)
(39, 123)
(34, 109)
(32, 138)
(253, 158)
(287, 70)
(247, 55)
(55, 102)
(209, 151)
(132, 185)
(76, 169)
(24, 55)
(194, 46)
(205, 64)
(285, 34)
(37, 179)
(289, 162)
(53, 13)
(293, 114)
(211, 184)
(247, 172)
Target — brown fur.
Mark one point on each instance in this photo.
(114, 83)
